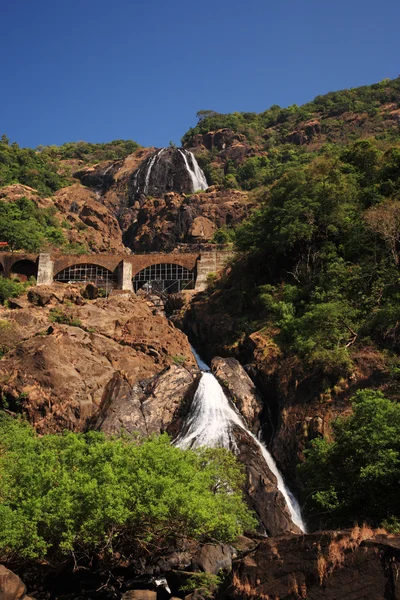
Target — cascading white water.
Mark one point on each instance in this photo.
(149, 168)
(211, 422)
(197, 176)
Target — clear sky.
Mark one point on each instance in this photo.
(132, 69)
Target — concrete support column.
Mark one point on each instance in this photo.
(125, 276)
(210, 262)
(45, 270)
(206, 264)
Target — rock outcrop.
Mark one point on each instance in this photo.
(328, 565)
(163, 223)
(261, 488)
(72, 360)
(155, 406)
(240, 389)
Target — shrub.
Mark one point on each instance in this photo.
(58, 316)
(92, 495)
(206, 583)
(10, 288)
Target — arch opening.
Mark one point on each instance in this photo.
(164, 278)
(1, 270)
(24, 269)
(88, 273)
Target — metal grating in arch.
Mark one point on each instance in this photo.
(101, 276)
(164, 278)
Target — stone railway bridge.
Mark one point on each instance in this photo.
(173, 271)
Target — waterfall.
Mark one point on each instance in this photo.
(196, 174)
(211, 423)
(149, 168)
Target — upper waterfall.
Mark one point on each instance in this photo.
(168, 170)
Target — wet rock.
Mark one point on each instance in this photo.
(212, 558)
(164, 171)
(240, 389)
(261, 489)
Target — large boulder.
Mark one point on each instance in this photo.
(261, 487)
(146, 408)
(212, 558)
(62, 374)
(11, 586)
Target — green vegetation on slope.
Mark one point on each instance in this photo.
(91, 153)
(26, 227)
(356, 475)
(280, 138)
(92, 495)
(43, 168)
(365, 99)
(321, 258)
(29, 167)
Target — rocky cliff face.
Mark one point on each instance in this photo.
(65, 374)
(296, 406)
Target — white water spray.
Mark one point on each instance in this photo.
(149, 168)
(211, 423)
(197, 176)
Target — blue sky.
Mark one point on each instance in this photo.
(128, 69)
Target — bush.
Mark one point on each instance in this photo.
(10, 288)
(58, 316)
(356, 475)
(92, 495)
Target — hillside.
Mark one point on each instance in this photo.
(90, 188)
(299, 331)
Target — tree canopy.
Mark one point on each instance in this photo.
(356, 475)
(88, 494)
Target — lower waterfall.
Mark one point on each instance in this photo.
(211, 422)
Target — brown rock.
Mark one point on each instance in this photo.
(326, 565)
(64, 376)
(11, 586)
(212, 558)
(261, 490)
(146, 409)
(139, 595)
(202, 229)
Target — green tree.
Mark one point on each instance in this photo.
(356, 475)
(87, 494)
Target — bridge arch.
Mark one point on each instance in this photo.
(168, 277)
(88, 272)
(24, 269)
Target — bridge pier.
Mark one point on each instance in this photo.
(125, 276)
(208, 263)
(45, 270)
